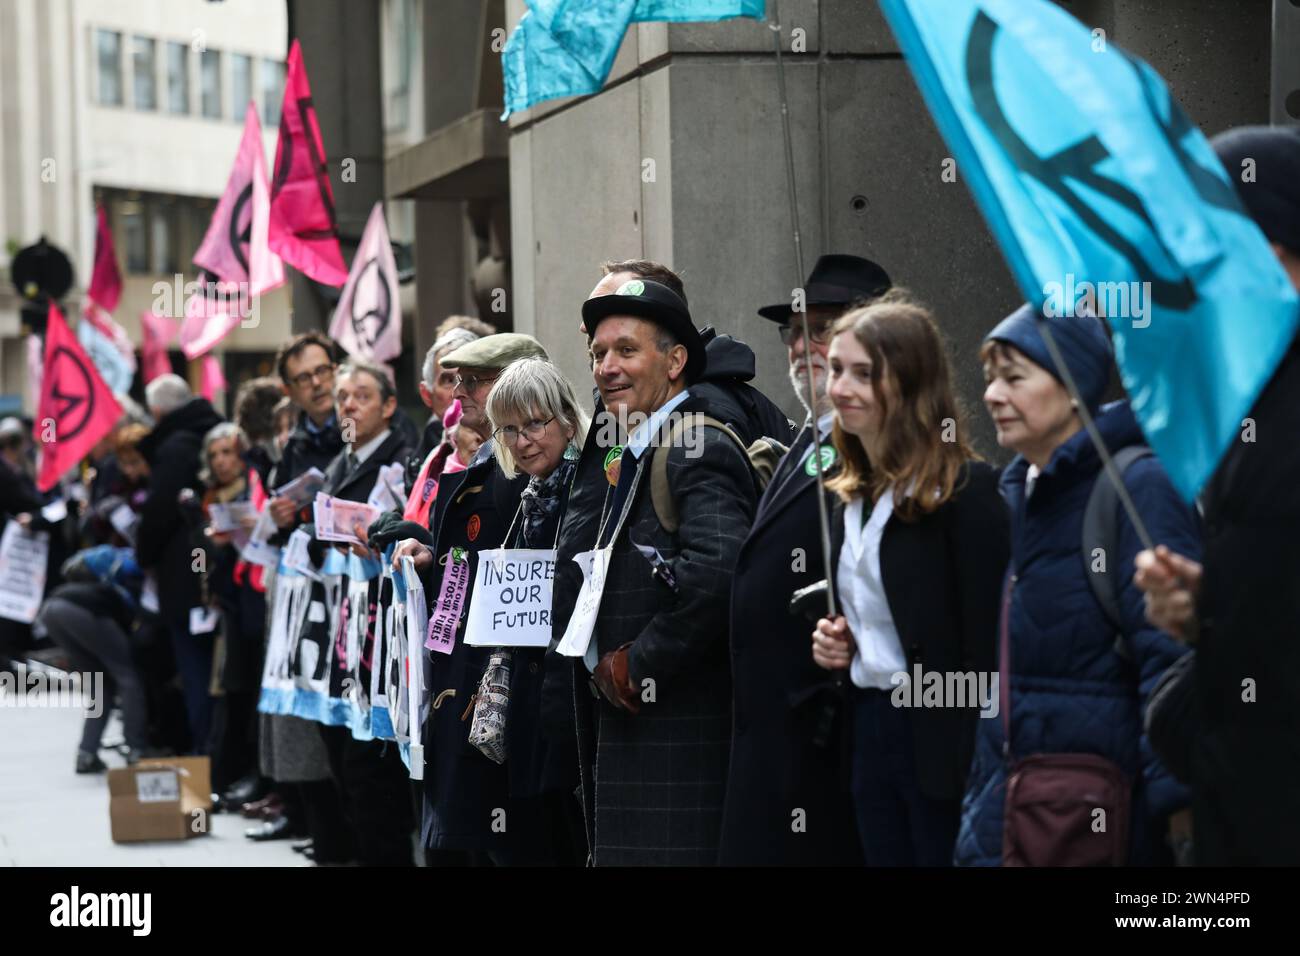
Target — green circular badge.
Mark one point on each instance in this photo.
(827, 455)
(632, 287)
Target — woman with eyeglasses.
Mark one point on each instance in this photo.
(512, 496)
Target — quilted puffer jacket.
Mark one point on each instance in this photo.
(1072, 691)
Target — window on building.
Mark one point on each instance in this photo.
(272, 91)
(399, 51)
(143, 73)
(130, 213)
(210, 83)
(178, 78)
(162, 236)
(241, 85)
(108, 56)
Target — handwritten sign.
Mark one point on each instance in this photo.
(511, 606)
(23, 556)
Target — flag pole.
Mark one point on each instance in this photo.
(1107, 462)
(823, 518)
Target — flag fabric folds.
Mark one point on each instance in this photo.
(213, 378)
(76, 408)
(303, 229)
(1102, 194)
(567, 47)
(108, 346)
(368, 320)
(156, 335)
(234, 248)
(106, 279)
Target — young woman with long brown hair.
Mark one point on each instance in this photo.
(920, 544)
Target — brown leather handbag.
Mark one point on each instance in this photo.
(1060, 809)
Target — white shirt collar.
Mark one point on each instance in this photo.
(824, 424)
(642, 435)
(365, 451)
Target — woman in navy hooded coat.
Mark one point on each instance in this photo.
(1073, 687)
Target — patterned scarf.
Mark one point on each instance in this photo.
(540, 501)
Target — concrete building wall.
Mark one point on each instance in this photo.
(701, 102)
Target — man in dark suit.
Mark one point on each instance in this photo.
(787, 799)
(660, 729)
(372, 780)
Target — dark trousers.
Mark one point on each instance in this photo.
(374, 788)
(234, 738)
(194, 664)
(96, 644)
(898, 825)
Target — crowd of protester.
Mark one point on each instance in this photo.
(719, 711)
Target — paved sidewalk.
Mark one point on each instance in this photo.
(50, 816)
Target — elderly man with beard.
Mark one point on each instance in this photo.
(786, 803)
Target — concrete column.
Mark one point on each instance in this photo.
(340, 49)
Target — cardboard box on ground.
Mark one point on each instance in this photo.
(162, 799)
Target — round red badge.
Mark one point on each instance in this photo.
(472, 529)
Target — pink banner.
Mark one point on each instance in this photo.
(156, 335)
(233, 248)
(303, 229)
(106, 281)
(214, 380)
(76, 409)
(368, 320)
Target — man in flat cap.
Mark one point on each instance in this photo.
(782, 760)
(1234, 741)
(653, 742)
(463, 790)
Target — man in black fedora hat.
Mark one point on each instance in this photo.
(786, 802)
(653, 741)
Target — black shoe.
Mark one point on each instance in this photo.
(302, 846)
(89, 763)
(245, 790)
(278, 829)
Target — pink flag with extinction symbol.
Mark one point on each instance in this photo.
(303, 229)
(368, 320)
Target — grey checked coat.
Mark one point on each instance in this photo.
(653, 784)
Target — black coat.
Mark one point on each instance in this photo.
(1246, 754)
(356, 485)
(942, 574)
(304, 451)
(780, 694)
(164, 539)
(653, 784)
(462, 787)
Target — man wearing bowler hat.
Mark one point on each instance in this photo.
(786, 802)
(655, 727)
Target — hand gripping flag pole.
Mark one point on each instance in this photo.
(823, 518)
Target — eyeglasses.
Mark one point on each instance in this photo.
(304, 379)
(509, 434)
(471, 382)
(819, 332)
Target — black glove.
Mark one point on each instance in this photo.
(315, 547)
(390, 527)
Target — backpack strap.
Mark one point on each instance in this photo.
(660, 494)
(1101, 532)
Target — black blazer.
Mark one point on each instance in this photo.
(779, 694)
(943, 575)
(356, 485)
